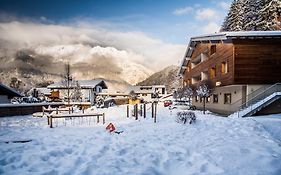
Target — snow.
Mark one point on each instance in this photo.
(213, 145)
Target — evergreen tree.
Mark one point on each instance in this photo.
(251, 14)
(269, 15)
(233, 12)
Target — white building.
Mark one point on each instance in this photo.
(88, 89)
(148, 92)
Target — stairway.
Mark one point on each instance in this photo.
(259, 101)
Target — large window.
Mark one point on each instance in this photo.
(224, 68)
(215, 98)
(227, 98)
(213, 72)
(213, 49)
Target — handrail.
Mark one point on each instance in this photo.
(253, 97)
(262, 95)
(269, 91)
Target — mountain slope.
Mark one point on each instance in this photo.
(167, 76)
(44, 64)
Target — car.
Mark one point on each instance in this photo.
(182, 105)
(168, 103)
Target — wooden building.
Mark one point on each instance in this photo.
(237, 64)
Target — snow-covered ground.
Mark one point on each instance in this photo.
(213, 145)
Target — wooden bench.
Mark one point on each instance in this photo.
(57, 110)
(74, 115)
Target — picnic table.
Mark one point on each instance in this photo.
(75, 115)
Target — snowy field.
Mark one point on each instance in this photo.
(213, 145)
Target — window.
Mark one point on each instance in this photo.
(213, 49)
(201, 99)
(213, 72)
(224, 68)
(227, 98)
(215, 98)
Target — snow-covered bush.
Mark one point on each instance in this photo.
(185, 117)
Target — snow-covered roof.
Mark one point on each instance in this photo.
(86, 84)
(223, 37)
(5, 90)
(144, 89)
(44, 91)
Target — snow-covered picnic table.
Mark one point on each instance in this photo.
(75, 115)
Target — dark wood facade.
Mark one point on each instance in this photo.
(248, 61)
(257, 61)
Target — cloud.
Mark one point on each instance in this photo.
(211, 27)
(206, 14)
(183, 11)
(142, 48)
(224, 5)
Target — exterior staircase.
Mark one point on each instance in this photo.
(257, 100)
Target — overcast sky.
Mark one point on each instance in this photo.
(152, 29)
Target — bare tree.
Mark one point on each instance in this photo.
(67, 81)
(188, 92)
(133, 95)
(76, 94)
(203, 91)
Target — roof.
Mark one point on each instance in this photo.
(10, 92)
(224, 37)
(144, 89)
(86, 84)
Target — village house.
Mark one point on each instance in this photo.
(148, 93)
(88, 89)
(7, 93)
(240, 66)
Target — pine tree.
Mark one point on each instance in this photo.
(233, 12)
(270, 14)
(251, 14)
(248, 15)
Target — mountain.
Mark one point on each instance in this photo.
(40, 66)
(167, 76)
(250, 15)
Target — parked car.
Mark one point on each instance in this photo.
(168, 103)
(182, 105)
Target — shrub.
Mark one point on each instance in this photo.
(185, 117)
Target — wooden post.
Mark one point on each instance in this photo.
(43, 111)
(152, 109)
(72, 109)
(51, 122)
(98, 118)
(57, 111)
(136, 111)
(144, 110)
(48, 120)
(83, 110)
(155, 112)
(103, 118)
(140, 109)
(127, 111)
